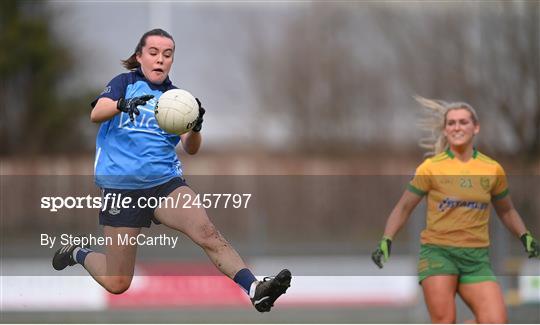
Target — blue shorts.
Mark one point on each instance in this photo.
(140, 211)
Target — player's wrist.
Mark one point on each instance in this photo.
(197, 128)
(386, 246)
(121, 104)
(525, 234)
(530, 244)
(526, 238)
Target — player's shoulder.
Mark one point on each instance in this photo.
(115, 87)
(124, 78)
(485, 158)
(437, 159)
(127, 74)
(489, 163)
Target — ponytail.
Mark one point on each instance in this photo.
(131, 63)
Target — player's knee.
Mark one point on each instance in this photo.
(119, 285)
(443, 317)
(492, 318)
(443, 320)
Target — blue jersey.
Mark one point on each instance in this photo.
(139, 154)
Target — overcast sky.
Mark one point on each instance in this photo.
(212, 59)
(212, 44)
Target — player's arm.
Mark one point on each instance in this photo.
(104, 110)
(513, 221)
(509, 216)
(109, 108)
(191, 141)
(401, 213)
(398, 217)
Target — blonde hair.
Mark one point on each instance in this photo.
(434, 121)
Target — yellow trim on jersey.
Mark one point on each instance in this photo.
(486, 159)
(442, 156)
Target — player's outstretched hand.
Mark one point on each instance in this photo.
(382, 253)
(130, 105)
(198, 124)
(531, 245)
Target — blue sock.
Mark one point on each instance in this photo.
(80, 254)
(244, 278)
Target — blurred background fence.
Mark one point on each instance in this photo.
(327, 208)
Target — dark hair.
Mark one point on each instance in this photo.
(131, 62)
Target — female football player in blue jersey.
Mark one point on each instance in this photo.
(135, 158)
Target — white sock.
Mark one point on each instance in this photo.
(74, 254)
(252, 289)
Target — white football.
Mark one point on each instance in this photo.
(176, 111)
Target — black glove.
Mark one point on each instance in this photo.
(531, 245)
(130, 105)
(198, 123)
(382, 253)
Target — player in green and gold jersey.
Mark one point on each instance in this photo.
(459, 183)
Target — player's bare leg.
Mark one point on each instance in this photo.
(194, 222)
(485, 300)
(112, 270)
(439, 294)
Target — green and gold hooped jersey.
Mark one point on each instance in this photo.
(458, 197)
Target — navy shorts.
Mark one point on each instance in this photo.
(140, 211)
